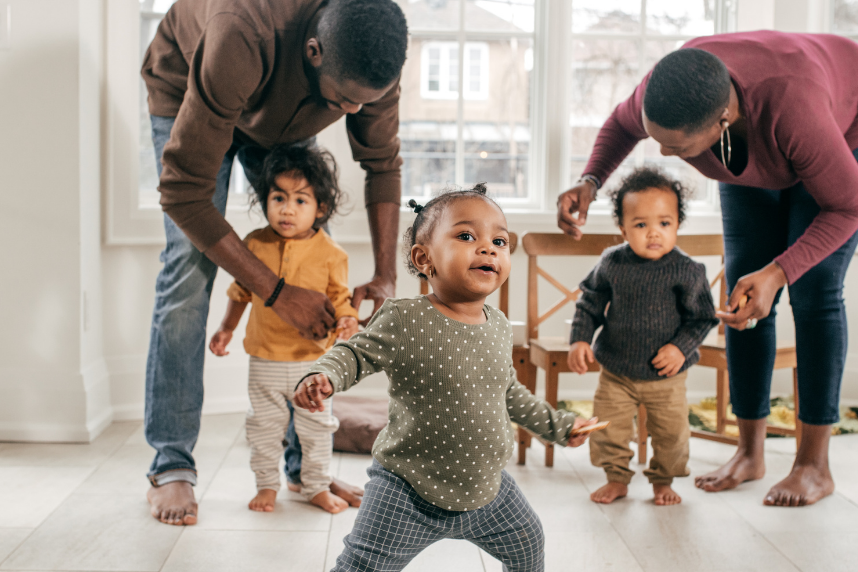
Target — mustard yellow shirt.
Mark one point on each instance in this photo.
(317, 263)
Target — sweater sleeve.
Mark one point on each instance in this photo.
(590, 307)
(814, 144)
(697, 311)
(367, 352)
(338, 287)
(375, 145)
(535, 414)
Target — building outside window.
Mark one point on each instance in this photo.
(844, 18)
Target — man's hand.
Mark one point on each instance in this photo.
(669, 360)
(220, 340)
(378, 290)
(347, 326)
(310, 312)
(760, 287)
(575, 200)
(578, 440)
(312, 391)
(580, 353)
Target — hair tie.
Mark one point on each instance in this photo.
(417, 207)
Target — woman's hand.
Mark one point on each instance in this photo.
(220, 340)
(312, 391)
(760, 287)
(580, 353)
(575, 200)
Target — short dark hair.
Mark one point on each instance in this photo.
(428, 216)
(644, 179)
(314, 164)
(688, 89)
(363, 40)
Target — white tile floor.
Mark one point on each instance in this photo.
(83, 507)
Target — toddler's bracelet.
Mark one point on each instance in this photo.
(273, 298)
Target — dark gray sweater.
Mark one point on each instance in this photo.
(652, 303)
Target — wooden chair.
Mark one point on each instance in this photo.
(549, 353)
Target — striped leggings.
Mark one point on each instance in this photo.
(271, 384)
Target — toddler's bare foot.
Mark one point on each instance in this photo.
(805, 485)
(609, 493)
(329, 502)
(664, 495)
(349, 493)
(263, 501)
(173, 503)
(741, 468)
(293, 487)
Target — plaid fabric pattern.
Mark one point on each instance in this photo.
(394, 524)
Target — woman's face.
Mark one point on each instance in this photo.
(678, 143)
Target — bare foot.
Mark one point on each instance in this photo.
(329, 502)
(741, 468)
(609, 493)
(805, 485)
(173, 503)
(349, 493)
(263, 501)
(293, 487)
(664, 495)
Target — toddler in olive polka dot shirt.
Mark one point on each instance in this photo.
(453, 392)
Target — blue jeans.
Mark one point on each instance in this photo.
(760, 224)
(174, 367)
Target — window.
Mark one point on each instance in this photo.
(614, 44)
(844, 18)
(439, 70)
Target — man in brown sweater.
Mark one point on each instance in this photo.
(231, 78)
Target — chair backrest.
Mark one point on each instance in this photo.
(503, 303)
(538, 244)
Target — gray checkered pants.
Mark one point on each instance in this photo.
(394, 524)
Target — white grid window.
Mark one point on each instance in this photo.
(440, 70)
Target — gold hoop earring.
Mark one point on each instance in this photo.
(726, 161)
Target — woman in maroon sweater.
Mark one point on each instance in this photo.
(773, 118)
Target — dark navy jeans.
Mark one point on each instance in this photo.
(174, 367)
(759, 224)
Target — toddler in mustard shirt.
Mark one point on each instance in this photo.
(298, 193)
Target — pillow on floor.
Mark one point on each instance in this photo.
(361, 420)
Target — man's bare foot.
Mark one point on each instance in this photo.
(349, 493)
(293, 487)
(173, 503)
(664, 495)
(263, 501)
(329, 502)
(609, 493)
(805, 485)
(741, 468)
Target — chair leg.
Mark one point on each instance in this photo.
(795, 401)
(642, 434)
(551, 375)
(722, 399)
(526, 373)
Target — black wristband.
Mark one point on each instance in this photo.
(273, 298)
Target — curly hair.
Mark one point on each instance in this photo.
(314, 164)
(646, 178)
(428, 216)
(363, 40)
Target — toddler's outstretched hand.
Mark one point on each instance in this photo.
(669, 360)
(580, 353)
(347, 326)
(312, 391)
(578, 440)
(220, 340)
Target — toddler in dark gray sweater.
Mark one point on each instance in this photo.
(655, 308)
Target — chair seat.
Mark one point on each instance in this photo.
(713, 352)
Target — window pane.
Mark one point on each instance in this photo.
(453, 66)
(689, 17)
(845, 17)
(431, 14)
(606, 16)
(499, 15)
(497, 128)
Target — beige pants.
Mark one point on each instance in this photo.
(271, 384)
(617, 399)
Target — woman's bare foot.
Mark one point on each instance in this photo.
(329, 502)
(263, 501)
(293, 487)
(748, 464)
(349, 493)
(173, 503)
(664, 495)
(803, 486)
(609, 493)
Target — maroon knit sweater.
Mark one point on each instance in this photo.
(799, 96)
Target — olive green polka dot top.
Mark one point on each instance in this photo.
(453, 392)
